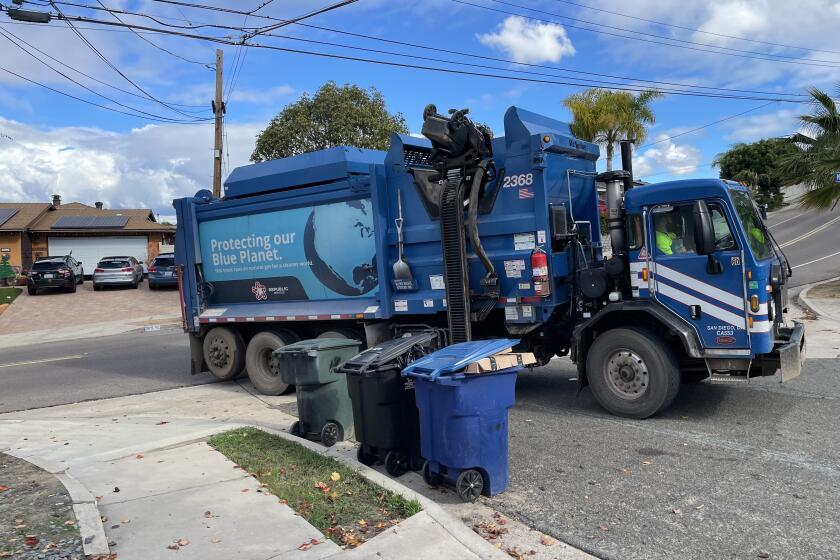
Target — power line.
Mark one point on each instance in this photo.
(693, 130)
(413, 66)
(694, 29)
(583, 82)
(71, 96)
(7, 34)
(113, 67)
(65, 65)
(676, 42)
(657, 83)
(167, 51)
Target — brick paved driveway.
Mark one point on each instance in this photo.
(53, 309)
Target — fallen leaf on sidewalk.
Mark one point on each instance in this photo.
(514, 553)
(182, 542)
(138, 456)
(604, 527)
(116, 489)
(335, 477)
(676, 511)
(546, 540)
(647, 462)
(126, 520)
(20, 526)
(3, 488)
(161, 423)
(244, 490)
(49, 546)
(763, 554)
(30, 540)
(173, 546)
(215, 540)
(208, 514)
(69, 522)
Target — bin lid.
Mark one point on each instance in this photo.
(316, 345)
(386, 353)
(455, 358)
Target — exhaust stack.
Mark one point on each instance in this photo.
(627, 162)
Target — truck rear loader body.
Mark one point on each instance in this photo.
(475, 238)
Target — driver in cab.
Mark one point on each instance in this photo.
(668, 239)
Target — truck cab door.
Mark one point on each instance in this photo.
(707, 291)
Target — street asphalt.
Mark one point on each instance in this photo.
(56, 373)
(809, 239)
(729, 471)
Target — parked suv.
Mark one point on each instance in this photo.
(55, 272)
(162, 271)
(117, 271)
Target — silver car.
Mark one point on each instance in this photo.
(117, 271)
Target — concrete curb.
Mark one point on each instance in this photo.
(815, 308)
(451, 524)
(85, 507)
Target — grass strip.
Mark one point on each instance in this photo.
(8, 295)
(342, 504)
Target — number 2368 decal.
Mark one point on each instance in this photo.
(521, 180)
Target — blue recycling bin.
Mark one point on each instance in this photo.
(464, 417)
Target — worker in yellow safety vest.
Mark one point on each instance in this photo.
(665, 238)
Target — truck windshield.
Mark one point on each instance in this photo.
(751, 222)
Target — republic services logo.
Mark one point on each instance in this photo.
(260, 291)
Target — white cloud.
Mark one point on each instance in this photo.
(530, 41)
(145, 167)
(666, 157)
(756, 127)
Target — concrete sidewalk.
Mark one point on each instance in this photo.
(145, 460)
(823, 298)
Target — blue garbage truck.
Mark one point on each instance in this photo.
(477, 237)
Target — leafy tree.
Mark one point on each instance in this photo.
(334, 116)
(606, 116)
(7, 273)
(814, 159)
(756, 165)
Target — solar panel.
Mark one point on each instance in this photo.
(6, 214)
(90, 222)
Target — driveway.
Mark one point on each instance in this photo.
(52, 309)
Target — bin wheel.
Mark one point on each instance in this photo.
(295, 429)
(331, 434)
(469, 485)
(397, 462)
(430, 478)
(365, 456)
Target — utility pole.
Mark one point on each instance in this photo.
(218, 110)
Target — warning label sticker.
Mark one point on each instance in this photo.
(400, 305)
(523, 241)
(437, 282)
(513, 269)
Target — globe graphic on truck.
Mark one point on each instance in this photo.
(339, 241)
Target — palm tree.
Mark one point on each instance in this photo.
(816, 160)
(606, 116)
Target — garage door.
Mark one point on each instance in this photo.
(90, 250)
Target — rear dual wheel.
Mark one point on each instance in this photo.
(224, 353)
(263, 368)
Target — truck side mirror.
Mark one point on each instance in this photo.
(704, 230)
(763, 211)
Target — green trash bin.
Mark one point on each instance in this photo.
(325, 412)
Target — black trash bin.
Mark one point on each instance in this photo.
(384, 409)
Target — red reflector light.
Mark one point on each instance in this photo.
(126, 269)
(152, 269)
(99, 270)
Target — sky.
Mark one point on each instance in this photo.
(52, 143)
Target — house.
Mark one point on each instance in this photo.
(16, 219)
(93, 232)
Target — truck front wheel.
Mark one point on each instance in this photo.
(262, 366)
(224, 353)
(632, 372)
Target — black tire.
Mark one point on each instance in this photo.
(632, 372)
(295, 429)
(331, 434)
(430, 478)
(261, 365)
(397, 462)
(134, 285)
(365, 456)
(31, 291)
(469, 485)
(82, 278)
(224, 353)
(152, 286)
(96, 288)
(72, 287)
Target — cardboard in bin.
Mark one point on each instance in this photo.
(503, 360)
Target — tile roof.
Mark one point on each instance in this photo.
(27, 213)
